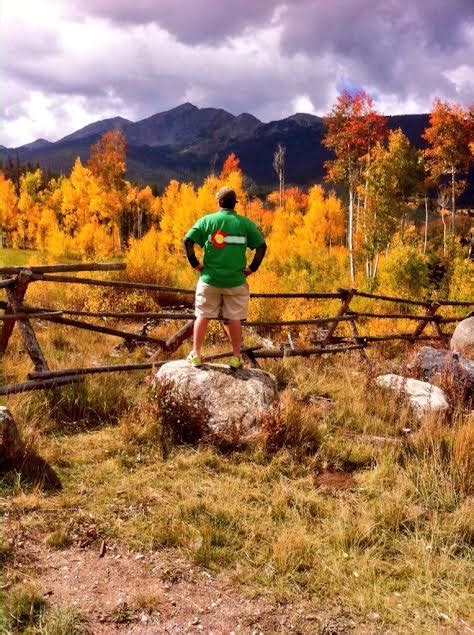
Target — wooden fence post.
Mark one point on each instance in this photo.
(181, 335)
(346, 297)
(430, 311)
(17, 290)
(15, 298)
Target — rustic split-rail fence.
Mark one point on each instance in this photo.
(16, 280)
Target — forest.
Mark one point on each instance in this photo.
(393, 224)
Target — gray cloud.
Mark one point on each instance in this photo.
(95, 58)
(192, 21)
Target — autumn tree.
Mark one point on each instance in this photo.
(107, 163)
(8, 209)
(449, 135)
(395, 184)
(353, 128)
(231, 164)
(323, 223)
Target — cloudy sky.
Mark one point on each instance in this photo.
(66, 63)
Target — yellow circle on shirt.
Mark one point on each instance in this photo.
(219, 239)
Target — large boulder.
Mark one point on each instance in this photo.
(462, 340)
(234, 400)
(423, 397)
(437, 366)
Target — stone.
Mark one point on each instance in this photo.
(11, 445)
(235, 400)
(432, 365)
(422, 396)
(15, 455)
(462, 340)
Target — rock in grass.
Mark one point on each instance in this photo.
(10, 442)
(432, 364)
(15, 455)
(233, 401)
(462, 340)
(422, 396)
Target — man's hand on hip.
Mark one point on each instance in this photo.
(247, 272)
(200, 267)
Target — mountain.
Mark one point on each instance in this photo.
(184, 142)
(34, 145)
(413, 127)
(188, 126)
(97, 128)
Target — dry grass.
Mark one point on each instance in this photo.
(394, 544)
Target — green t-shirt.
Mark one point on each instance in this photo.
(225, 237)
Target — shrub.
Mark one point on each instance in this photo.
(291, 425)
(183, 419)
(404, 272)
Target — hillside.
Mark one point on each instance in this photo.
(184, 142)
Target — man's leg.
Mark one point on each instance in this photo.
(200, 327)
(233, 328)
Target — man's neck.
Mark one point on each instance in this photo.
(228, 210)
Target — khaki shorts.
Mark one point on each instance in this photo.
(233, 301)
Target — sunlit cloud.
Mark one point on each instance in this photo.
(67, 63)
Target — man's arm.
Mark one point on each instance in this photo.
(190, 255)
(257, 259)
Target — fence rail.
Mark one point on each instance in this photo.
(16, 281)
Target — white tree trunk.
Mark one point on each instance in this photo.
(426, 225)
(453, 200)
(349, 238)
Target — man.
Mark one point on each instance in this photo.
(225, 237)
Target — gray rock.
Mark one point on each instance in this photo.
(422, 396)
(462, 340)
(11, 445)
(234, 399)
(15, 455)
(431, 364)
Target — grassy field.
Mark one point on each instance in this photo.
(16, 257)
(317, 517)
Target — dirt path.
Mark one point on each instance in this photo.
(122, 592)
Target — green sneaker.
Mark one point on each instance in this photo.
(193, 359)
(235, 362)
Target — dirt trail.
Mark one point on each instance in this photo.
(122, 592)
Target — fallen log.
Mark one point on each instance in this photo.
(389, 298)
(156, 287)
(403, 336)
(86, 266)
(38, 384)
(119, 284)
(126, 335)
(29, 316)
(325, 320)
(116, 368)
(307, 352)
(396, 316)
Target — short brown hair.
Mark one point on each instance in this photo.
(228, 200)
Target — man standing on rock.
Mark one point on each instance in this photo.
(225, 237)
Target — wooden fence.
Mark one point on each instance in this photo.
(16, 280)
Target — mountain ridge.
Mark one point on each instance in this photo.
(187, 143)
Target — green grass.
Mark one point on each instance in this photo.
(16, 257)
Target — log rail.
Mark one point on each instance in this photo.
(16, 280)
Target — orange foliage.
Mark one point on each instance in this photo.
(231, 164)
